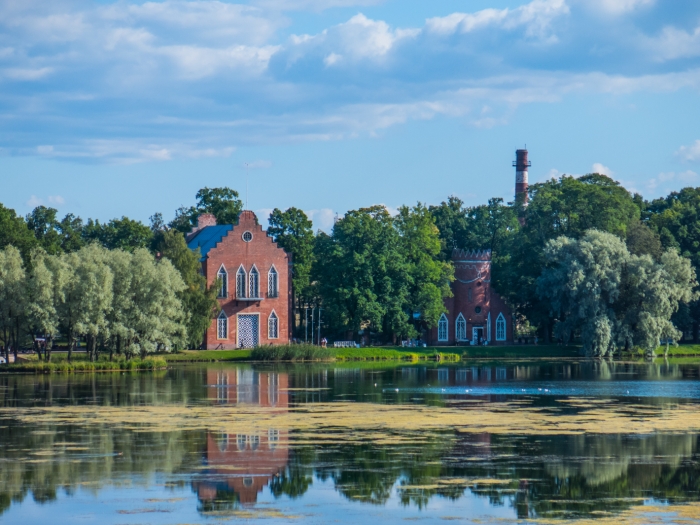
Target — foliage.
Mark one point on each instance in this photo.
(223, 203)
(642, 240)
(124, 234)
(566, 206)
(198, 301)
(46, 227)
(13, 300)
(14, 232)
(616, 299)
(292, 230)
(375, 271)
(292, 353)
(207, 356)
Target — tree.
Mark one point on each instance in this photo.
(45, 285)
(198, 301)
(42, 221)
(12, 298)
(125, 234)
(642, 240)
(223, 203)
(616, 299)
(292, 230)
(71, 228)
(566, 206)
(430, 276)
(14, 232)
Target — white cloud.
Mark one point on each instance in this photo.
(616, 7)
(332, 59)
(44, 150)
(690, 153)
(313, 5)
(17, 73)
(663, 179)
(603, 170)
(322, 219)
(537, 17)
(56, 199)
(673, 43)
(34, 201)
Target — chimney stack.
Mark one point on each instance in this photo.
(521, 165)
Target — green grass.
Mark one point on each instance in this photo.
(207, 356)
(292, 353)
(520, 352)
(394, 354)
(40, 367)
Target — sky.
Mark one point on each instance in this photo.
(113, 108)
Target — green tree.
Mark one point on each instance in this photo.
(198, 301)
(223, 203)
(292, 230)
(125, 234)
(642, 240)
(13, 298)
(46, 227)
(614, 298)
(15, 232)
(71, 228)
(566, 206)
(430, 276)
(45, 284)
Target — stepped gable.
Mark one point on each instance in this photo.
(471, 255)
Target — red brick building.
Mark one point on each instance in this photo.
(476, 313)
(255, 298)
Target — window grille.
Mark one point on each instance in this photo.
(240, 282)
(461, 328)
(222, 326)
(254, 283)
(272, 283)
(247, 236)
(273, 326)
(500, 328)
(443, 328)
(223, 277)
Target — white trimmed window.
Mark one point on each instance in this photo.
(501, 328)
(222, 326)
(272, 289)
(443, 328)
(254, 286)
(240, 282)
(222, 275)
(461, 328)
(273, 326)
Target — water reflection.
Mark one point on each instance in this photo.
(533, 476)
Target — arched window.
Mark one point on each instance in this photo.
(222, 275)
(273, 326)
(461, 328)
(222, 326)
(240, 282)
(272, 283)
(443, 328)
(254, 287)
(501, 328)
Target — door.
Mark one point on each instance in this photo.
(248, 331)
(478, 335)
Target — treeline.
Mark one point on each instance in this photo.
(584, 258)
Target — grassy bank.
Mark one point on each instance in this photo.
(292, 353)
(395, 354)
(40, 367)
(207, 356)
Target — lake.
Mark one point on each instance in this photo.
(472, 442)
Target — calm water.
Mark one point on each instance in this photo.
(78, 449)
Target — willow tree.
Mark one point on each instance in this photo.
(614, 298)
(12, 298)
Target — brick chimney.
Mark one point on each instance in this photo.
(203, 220)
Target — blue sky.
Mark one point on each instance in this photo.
(127, 108)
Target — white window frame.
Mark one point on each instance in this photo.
(223, 275)
(273, 280)
(273, 317)
(460, 335)
(254, 272)
(443, 326)
(501, 326)
(241, 272)
(222, 322)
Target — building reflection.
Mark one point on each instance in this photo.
(240, 466)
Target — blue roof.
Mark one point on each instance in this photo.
(208, 237)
